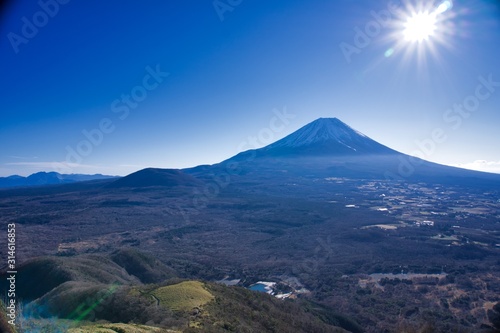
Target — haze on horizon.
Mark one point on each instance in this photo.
(118, 86)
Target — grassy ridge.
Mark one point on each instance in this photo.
(183, 296)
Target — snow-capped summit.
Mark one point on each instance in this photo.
(327, 136)
(320, 130)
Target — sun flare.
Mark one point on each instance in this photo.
(420, 27)
(424, 23)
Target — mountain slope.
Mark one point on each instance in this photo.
(156, 177)
(188, 306)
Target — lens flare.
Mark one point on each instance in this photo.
(444, 6)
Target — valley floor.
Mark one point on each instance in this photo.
(340, 245)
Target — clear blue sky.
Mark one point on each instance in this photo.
(101, 66)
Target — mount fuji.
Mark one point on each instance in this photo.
(327, 147)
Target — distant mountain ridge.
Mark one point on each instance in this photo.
(156, 177)
(48, 178)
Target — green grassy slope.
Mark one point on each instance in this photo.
(183, 296)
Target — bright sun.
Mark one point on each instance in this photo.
(420, 27)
